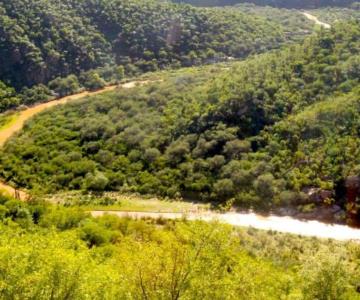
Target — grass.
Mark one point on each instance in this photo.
(120, 202)
(6, 119)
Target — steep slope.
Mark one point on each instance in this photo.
(300, 4)
(209, 134)
(45, 39)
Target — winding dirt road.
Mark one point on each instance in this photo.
(281, 224)
(26, 114)
(316, 20)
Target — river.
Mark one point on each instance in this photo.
(276, 223)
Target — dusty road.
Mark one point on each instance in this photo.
(28, 113)
(281, 224)
(316, 20)
(276, 223)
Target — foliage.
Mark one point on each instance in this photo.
(111, 258)
(276, 3)
(259, 134)
(294, 24)
(51, 41)
(334, 14)
(8, 97)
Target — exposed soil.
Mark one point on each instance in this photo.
(271, 222)
(28, 113)
(316, 20)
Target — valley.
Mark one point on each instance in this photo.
(195, 149)
(281, 224)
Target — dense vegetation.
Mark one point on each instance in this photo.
(277, 3)
(276, 130)
(294, 24)
(336, 14)
(49, 252)
(210, 133)
(48, 40)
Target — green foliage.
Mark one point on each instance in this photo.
(260, 134)
(96, 182)
(92, 81)
(65, 86)
(51, 39)
(36, 94)
(8, 97)
(277, 3)
(294, 24)
(333, 14)
(111, 257)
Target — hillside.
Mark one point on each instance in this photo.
(211, 134)
(336, 14)
(49, 252)
(294, 24)
(43, 42)
(179, 150)
(299, 4)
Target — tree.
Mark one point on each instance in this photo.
(8, 98)
(120, 73)
(92, 81)
(235, 148)
(65, 86)
(265, 186)
(38, 93)
(96, 182)
(224, 188)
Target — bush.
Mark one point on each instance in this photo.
(38, 93)
(265, 186)
(224, 188)
(94, 234)
(63, 218)
(65, 86)
(96, 182)
(92, 81)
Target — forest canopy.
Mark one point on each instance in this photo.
(212, 133)
(302, 4)
(46, 39)
(116, 190)
(48, 47)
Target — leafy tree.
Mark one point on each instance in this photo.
(65, 86)
(92, 81)
(96, 182)
(8, 98)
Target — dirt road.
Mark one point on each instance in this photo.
(281, 224)
(316, 20)
(26, 114)
(276, 223)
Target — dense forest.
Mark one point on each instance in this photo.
(43, 42)
(210, 110)
(262, 134)
(52, 252)
(334, 14)
(300, 4)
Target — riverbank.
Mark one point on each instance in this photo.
(271, 222)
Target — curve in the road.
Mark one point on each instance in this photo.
(28, 113)
(316, 20)
(281, 224)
